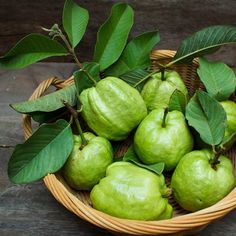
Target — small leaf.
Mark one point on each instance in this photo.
(135, 76)
(44, 152)
(177, 101)
(207, 117)
(228, 142)
(49, 102)
(205, 41)
(75, 20)
(131, 156)
(218, 78)
(135, 55)
(82, 81)
(30, 49)
(113, 34)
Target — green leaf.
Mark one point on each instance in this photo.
(207, 117)
(177, 101)
(49, 102)
(228, 142)
(75, 20)
(205, 41)
(82, 80)
(113, 34)
(218, 78)
(131, 156)
(135, 55)
(46, 117)
(30, 49)
(134, 77)
(44, 152)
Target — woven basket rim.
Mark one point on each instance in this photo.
(103, 220)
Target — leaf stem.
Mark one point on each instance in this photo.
(163, 124)
(56, 31)
(74, 113)
(70, 49)
(170, 64)
(146, 77)
(89, 76)
(72, 52)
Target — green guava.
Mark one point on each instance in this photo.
(157, 142)
(112, 108)
(131, 192)
(230, 109)
(85, 167)
(157, 91)
(197, 184)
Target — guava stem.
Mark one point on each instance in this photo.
(84, 141)
(163, 74)
(215, 159)
(75, 115)
(163, 124)
(168, 192)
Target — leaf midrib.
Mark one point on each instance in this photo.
(206, 119)
(109, 39)
(197, 51)
(40, 152)
(34, 53)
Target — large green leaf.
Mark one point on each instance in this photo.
(205, 41)
(30, 49)
(131, 156)
(113, 34)
(177, 101)
(82, 80)
(44, 152)
(135, 55)
(218, 78)
(207, 117)
(135, 78)
(75, 20)
(49, 102)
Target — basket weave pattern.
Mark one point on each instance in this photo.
(79, 202)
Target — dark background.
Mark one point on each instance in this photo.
(30, 209)
(175, 20)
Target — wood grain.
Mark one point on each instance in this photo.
(175, 19)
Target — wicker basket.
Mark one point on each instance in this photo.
(79, 202)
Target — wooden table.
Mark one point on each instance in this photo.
(30, 209)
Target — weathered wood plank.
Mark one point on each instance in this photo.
(17, 86)
(175, 20)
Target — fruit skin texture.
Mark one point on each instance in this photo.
(230, 109)
(131, 192)
(156, 93)
(154, 143)
(112, 108)
(197, 185)
(84, 168)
